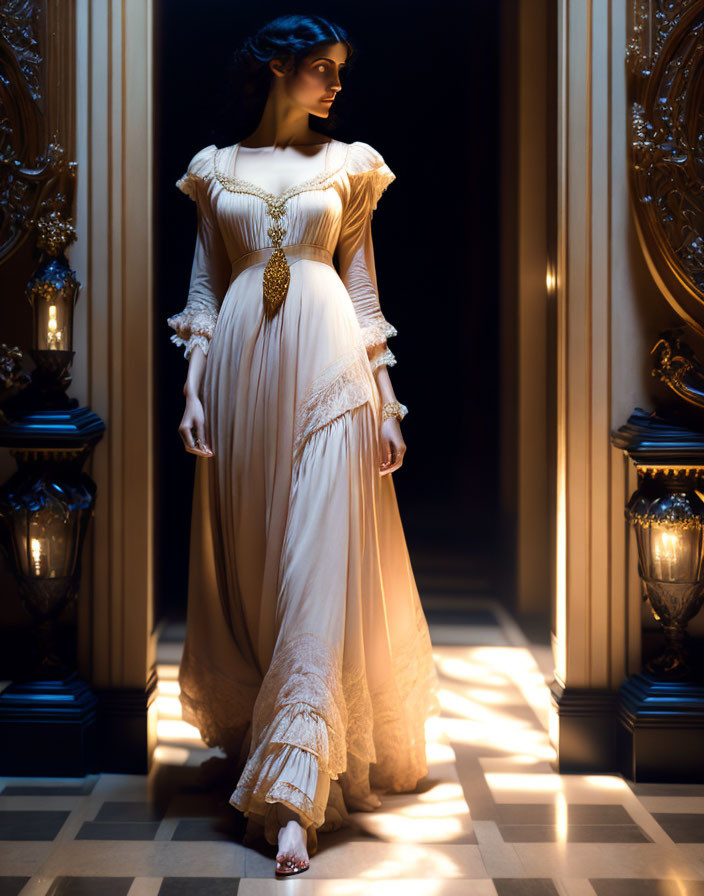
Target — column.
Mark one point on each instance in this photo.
(113, 372)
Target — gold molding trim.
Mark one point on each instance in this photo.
(696, 471)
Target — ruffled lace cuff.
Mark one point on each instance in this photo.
(375, 334)
(381, 355)
(193, 328)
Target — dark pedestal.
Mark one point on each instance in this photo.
(661, 730)
(586, 730)
(127, 729)
(48, 729)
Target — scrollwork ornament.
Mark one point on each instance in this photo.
(55, 231)
(18, 20)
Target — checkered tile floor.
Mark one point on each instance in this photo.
(491, 819)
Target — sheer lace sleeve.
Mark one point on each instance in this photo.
(211, 268)
(369, 176)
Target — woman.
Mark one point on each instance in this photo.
(307, 654)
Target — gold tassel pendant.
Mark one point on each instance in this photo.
(277, 276)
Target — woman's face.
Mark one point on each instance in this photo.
(316, 83)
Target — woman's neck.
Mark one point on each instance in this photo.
(283, 123)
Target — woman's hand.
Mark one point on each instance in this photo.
(392, 446)
(194, 420)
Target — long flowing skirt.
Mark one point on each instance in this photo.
(307, 653)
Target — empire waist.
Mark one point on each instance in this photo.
(294, 253)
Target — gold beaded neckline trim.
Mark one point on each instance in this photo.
(239, 185)
(277, 274)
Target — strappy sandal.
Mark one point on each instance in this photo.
(289, 867)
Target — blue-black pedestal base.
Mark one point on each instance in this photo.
(48, 729)
(661, 730)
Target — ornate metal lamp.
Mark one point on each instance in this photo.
(667, 513)
(53, 292)
(661, 710)
(666, 195)
(45, 508)
(48, 716)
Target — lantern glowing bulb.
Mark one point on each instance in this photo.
(53, 336)
(670, 545)
(666, 556)
(36, 548)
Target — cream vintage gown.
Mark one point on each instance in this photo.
(307, 653)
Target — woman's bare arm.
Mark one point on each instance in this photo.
(193, 415)
(393, 446)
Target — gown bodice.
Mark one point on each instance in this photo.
(332, 209)
(312, 208)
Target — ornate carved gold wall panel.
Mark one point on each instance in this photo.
(37, 102)
(665, 59)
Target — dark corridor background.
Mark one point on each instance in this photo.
(424, 91)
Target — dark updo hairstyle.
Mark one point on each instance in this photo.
(249, 77)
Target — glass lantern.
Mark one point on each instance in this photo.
(53, 292)
(53, 309)
(45, 508)
(667, 514)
